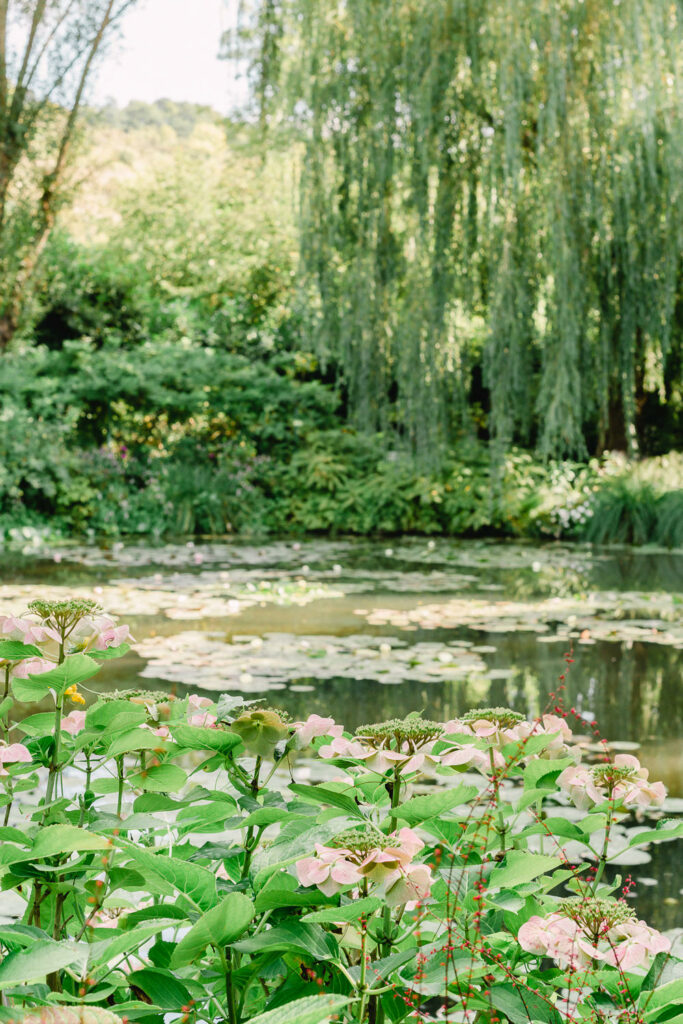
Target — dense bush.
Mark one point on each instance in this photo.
(184, 875)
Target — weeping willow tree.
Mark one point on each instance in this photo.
(489, 187)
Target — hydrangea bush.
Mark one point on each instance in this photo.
(169, 868)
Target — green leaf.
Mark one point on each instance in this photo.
(558, 827)
(135, 739)
(25, 967)
(349, 912)
(115, 715)
(124, 942)
(195, 737)
(14, 650)
(192, 880)
(218, 927)
(162, 912)
(666, 829)
(422, 808)
(37, 725)
(161, 987)
(266, 816)
(521, 867)
(75, 669)
(162, 778)
(544, 770)
(326, 796)
(293, 937)
(520, 1005)
(60, 839)
(310, 1010)
(663, 998)
(110, 652)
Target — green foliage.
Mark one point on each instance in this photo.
(640, 505)
(517, 162)
(307, 902)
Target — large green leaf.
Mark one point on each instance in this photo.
(135, 739)
(14, 650)
(218, 927)
(56, 839)
(520, 867)
(109, 653)
(544, 771)
(349, 912)
(328, 797)
(122, 943)
(310, 1010)
(115, 715)
(422, 808)
(192, 880)
(27, 966)
(195, 737)
(74, 670)
(162, 778)
(666, 997)
(161, 987)
(667, 828)
(520, 1005)
(293, 937)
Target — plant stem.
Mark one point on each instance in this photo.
(54, 760)
(496, 796)
(603, 855)
(363, 984)
(226, 961)
(119, 798)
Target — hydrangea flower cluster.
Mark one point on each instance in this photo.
(69, 627)
(494, 729)
(622, 780)
(585, 932)
(405, 744)
(364, 855)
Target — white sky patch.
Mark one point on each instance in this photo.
(169, 50)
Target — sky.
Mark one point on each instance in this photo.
(169, 50)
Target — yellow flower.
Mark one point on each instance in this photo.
(72, 693)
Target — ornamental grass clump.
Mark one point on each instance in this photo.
(172, 862)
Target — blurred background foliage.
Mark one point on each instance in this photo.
(423, 286)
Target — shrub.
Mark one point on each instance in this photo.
(187, 877)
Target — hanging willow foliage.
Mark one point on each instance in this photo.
(487, 183)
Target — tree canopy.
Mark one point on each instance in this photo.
(490, 207)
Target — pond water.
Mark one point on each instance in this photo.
(365, 631)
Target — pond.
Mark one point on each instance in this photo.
(366, 630)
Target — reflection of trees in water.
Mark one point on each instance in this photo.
(633, 692)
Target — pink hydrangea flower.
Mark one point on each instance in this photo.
(329, 870)
(380, 863)
(26, 631)
(550, 725)
(387, 865)
(474, 757)
(314, 726)
(624, 780)
(632, 944)
(200, 717)
(342, 747)
(586, 932)
(73, 722)
(378, 759)
(31, 667)
(411, 883)
(557, 937)
(98, 633)
(13, 753)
